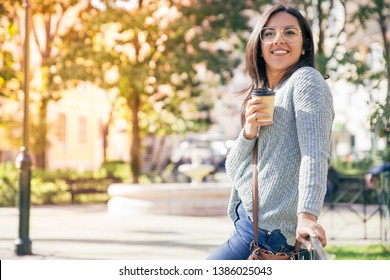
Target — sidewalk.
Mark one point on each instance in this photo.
(89, 232)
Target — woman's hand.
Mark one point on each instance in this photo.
(308, 227)
(253, 112)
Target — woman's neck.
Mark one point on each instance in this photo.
(274, 78)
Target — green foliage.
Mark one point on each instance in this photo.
(10, 78)
(43, 190)
(384, 155)
(371, 9)
(355, 252)
(353, 167)
(8, 184)
(155, 49)
(49, 187)
(117, 169)
(379, 12)
(51, 176)
(358, 71)
(155, 53)
(46, 192)
(380, 121)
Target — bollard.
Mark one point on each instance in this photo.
(23, 160)
(23, 163)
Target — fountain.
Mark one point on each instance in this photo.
(206, 199)
(196, 170)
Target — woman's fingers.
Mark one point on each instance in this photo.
(305, 241)
(320, 234)
(254, 118)
(314, 231)
(255, 105)
(255, 115)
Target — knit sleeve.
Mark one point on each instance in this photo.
(313, 104)
(239, 157)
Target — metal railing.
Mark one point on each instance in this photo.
(353, 195)
(384, 206)
(318, 252)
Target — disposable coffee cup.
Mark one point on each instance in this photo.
(268, 97)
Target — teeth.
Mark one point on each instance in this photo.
(279, 52)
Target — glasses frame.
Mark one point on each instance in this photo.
(279, 32)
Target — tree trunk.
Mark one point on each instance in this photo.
(386, 47)
(41, 135)
(386, 54)
(135, 164)
(105, 131)
(107, 126)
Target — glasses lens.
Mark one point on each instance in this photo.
(269, 34)
(290, 34)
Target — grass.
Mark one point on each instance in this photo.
(353, 252)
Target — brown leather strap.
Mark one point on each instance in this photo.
(255, 199)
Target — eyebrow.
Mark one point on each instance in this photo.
(282, 26)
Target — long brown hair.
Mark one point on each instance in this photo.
(255, 64)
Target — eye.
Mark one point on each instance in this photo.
(290, 32)
(268, 33)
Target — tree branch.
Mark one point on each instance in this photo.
(341, 30)
(36, 37)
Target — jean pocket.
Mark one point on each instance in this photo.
(275, 241)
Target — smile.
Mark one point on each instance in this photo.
(279, 52)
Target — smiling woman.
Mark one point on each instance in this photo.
(292, 150)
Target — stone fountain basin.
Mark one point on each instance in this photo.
(196, 171)
(206, 199)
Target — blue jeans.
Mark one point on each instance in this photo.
(237, 247)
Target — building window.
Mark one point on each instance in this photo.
(61, 127)
(82, 135)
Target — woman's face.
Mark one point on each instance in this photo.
(282, 43)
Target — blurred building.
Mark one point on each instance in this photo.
(77, 123)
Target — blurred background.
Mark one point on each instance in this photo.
(128, 90)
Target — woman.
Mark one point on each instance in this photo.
(294, 149)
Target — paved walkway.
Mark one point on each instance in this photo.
(90, 232)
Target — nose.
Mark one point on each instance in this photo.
(279, 37)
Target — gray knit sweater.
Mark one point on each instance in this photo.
(293, 157)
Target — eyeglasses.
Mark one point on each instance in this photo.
(289, 34)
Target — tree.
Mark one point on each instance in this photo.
(10, 81)
(49, 19)
(155, 49)
(10, 73)
(379, 12)
(52, 17)
(337, 25)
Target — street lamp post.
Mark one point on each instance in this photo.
(23, 160)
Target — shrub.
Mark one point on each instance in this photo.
(117, 169)
(8, 184)
(354, 167)
(46, 192)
